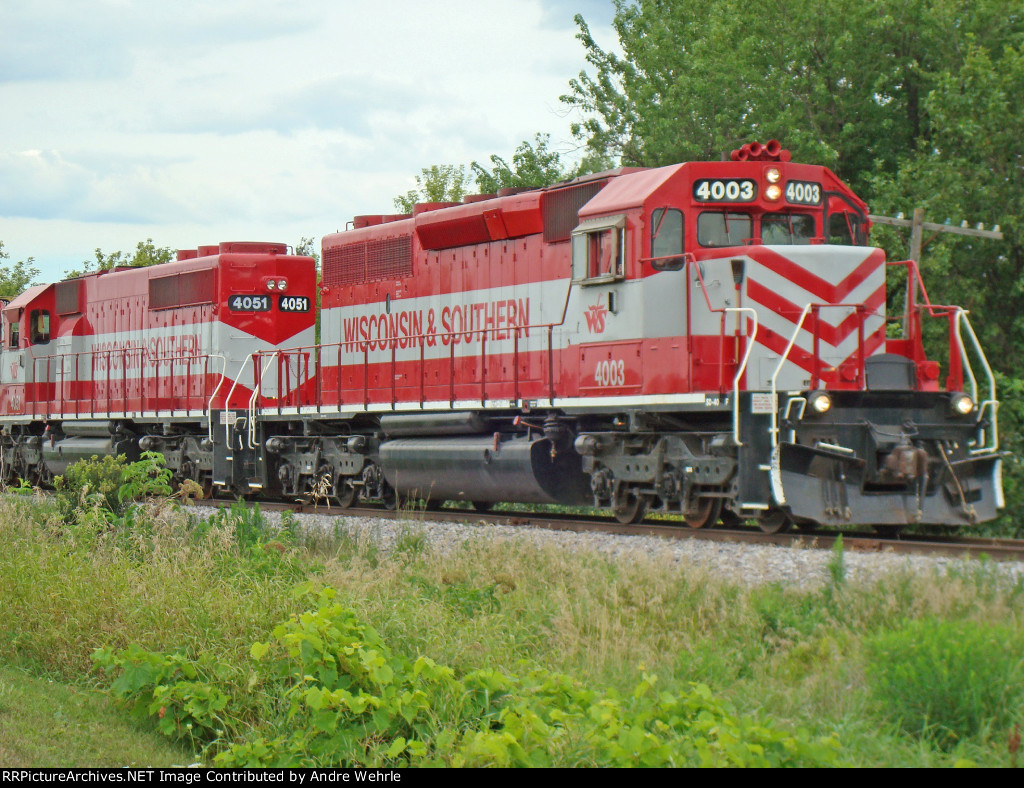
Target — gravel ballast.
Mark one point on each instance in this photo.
(750, 564)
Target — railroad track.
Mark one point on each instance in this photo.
(952, 546)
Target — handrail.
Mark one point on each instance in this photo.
(227, 400)
(251, 409)
(109, 356)
(513, 334)
(213, 396)
(740, 372)
(778, 369)
(809, 308)
(751, 337)
(992, 402)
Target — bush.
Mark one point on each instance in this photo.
(946, 680)
(343, 698)
(106, 487)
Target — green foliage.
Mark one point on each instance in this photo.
(15, 277)
(533, 165)
(845, 88)
(262, 550)
(105, 488)
(173, 689)
(307, 247)
(466, 599)
(947, 680)
(438, 183)
(351, 701)
(836, 564)
(145, 254)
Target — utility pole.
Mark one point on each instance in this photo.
(918, 225)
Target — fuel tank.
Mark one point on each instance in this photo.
(485, 468)
(70, 450)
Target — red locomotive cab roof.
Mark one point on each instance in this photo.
(25, 299)
(629, 190)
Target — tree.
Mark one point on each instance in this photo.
(145, 254)
(533, 165)
(439, 183)
(307, 247)
(15, 277)
(843, 85)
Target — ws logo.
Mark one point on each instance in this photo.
(596, 316)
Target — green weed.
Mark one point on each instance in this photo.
(948, 680)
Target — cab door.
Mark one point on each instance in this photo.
(12, 363)
(610, 354)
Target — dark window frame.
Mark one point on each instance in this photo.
(586, 240)
(860, 235)
(37, 336)
(729, 215)
(807, 240)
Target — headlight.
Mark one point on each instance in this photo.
(962, 404)
(773, 192)
(819, 402)
(772, 175)
(271, 284)
(282, 284)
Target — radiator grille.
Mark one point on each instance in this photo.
(560, 209)
(194, 287)
(367, 261)
(68, 297)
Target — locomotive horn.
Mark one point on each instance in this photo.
(773, 148)
(756, 149)
(743, 154)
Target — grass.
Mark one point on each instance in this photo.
(806, 659)
(48, 724)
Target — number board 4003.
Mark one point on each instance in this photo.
(724, 190)
(803, 192)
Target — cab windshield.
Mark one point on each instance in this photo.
(787, 229)
(724, 228)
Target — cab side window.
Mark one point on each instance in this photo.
(15, 334)
(39, 321)
(599, 250)
(846, 228)
(666, 234)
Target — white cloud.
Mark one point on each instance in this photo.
(195, 122)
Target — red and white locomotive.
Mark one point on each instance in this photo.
(708, 337)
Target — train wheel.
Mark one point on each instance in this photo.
(346, 495)
(483, 506)
(774, 522)
(707, 511)
(629, 508)
(730, 519)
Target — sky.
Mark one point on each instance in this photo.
(193, 123)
